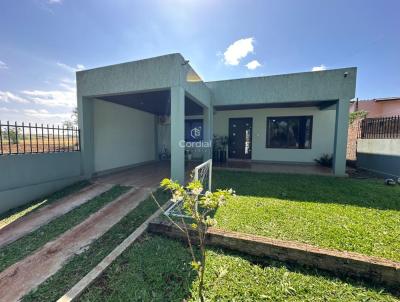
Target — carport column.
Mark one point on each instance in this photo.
(208, 131)
(85, 119)
(340, 145)
(178, 134)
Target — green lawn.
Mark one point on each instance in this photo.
(12, 215)
(340, 213)
(58, 284)
(158, 269)
(24, 246)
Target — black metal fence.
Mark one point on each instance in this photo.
(382, 127)
(21, 138)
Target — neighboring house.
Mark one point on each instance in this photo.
(375, 108)
(382, 107)
(130, 112)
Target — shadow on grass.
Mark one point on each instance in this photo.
(311, 188)
(153, 269)
(41, 202)
(296, 268)
(158, 269)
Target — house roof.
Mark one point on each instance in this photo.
(388, 99)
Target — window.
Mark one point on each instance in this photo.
(193, 130)
(290, 132)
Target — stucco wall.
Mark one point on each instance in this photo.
(379, 155)
(122, 136)
(322, 134)
(305, 86)
(27, 177)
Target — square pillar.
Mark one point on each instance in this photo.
(178, 134)
(208, 132)
(85, 121)
(340, 145)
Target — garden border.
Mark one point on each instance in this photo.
(348, 264)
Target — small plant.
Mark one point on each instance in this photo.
(199, 207)
(357, 115)
(325, 160)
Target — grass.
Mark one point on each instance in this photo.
(12, 215)
(158, 269)
(57, 285)
(24, 246)
(340, 213)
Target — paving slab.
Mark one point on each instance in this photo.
(44, 215)
(25, 275)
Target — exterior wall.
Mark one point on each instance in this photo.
(354, 129)
(391, 108)
(379, 155)
(148, 74)
(32, 176)
(122, 136)
(322, 135)
(296, 87)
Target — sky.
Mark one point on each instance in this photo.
(43, 43)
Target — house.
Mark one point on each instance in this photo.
(135, 112)
(382, 107)
(375, 108)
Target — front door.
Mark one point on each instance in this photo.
(240, 132)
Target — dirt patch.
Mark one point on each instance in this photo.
(27, 274)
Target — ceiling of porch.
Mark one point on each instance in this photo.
(155, 102)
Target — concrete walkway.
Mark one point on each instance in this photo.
(25, 275)
(44, 215)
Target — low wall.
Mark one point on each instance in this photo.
(26, 177)
(346, 264)
(381, 156)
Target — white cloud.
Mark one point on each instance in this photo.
(3, 65)
(253, 65)
(4, 109)
(238, 50)
(44, 114)
(80, 66)
(319, 68)
(71, 68)
(64, 97)
(53, 98)
(8, 97)
(54, 1)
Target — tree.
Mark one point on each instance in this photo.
(73, 122)
(199, 207)
(13, 135)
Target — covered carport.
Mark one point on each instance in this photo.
(121, 108)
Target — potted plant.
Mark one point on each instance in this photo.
(220, 144)
(188, 154)
(224, 145)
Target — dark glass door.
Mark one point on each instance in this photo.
(240, 133)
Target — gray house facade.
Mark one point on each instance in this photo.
(134, 113)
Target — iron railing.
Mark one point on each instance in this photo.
(382, 127)
(22, 139)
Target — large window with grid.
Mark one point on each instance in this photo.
(289, 132)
